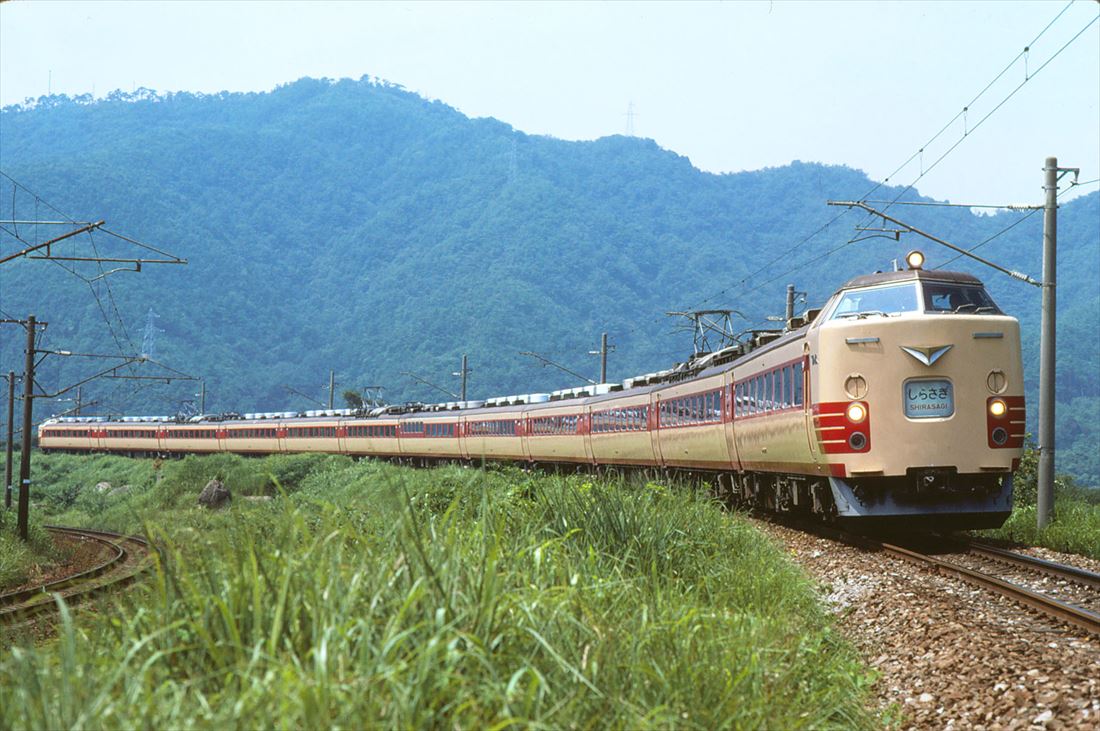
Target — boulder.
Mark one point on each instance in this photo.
(214, 495)
(103, 487)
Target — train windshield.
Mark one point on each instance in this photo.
(958, 298)
(880, 301)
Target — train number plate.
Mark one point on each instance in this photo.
(928, 398)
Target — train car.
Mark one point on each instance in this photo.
(900, 402)
(251, 437)
(623, 431)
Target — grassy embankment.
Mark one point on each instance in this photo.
(18, 559)
(1076, 524)
(368, 595)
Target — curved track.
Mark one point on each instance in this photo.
(125, 557)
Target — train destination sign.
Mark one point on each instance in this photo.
(928, 398)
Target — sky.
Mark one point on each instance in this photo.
(733, 86)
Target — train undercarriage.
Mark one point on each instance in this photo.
(920, 501)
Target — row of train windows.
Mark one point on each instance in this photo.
(373, 430)
(439, 429)
(252, 434)
(311, 431)
(700, 408)
(780, 388)
(192, 434)
(543, 425)
(131, 434)
(66, 433)
(615, 420)
(504, 427)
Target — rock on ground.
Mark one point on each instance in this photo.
(214, 495)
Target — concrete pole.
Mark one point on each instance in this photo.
(1047, 345)
(79, 400)
(331, 389)
(790, 308)
(465, 370)
(202, 397)
(11, 439)
(28, 420)
(603, 358)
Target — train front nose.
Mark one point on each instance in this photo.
(937, 394)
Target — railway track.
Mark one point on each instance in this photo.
(1073, 597)
(124, 557)
(1065, 593)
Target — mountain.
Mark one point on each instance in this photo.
(355, 226)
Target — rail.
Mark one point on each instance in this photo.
(127, 556)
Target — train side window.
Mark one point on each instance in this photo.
(798, 383)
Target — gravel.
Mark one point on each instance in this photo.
(951, 656)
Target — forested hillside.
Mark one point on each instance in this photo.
(355, 226)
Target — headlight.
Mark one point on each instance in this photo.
(857, 412)
(998, 408)
(915, 259)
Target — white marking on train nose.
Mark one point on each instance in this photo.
(927, 354)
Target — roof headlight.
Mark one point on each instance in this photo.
(915, 259)
(998, 408)
(857, 412)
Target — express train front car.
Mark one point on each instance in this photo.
(918, 400)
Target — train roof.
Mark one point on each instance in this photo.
(866, 280)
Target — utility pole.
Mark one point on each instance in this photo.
(28, 420)
(602, 352)
(11, 437)
(1047, 346)
(202, 396)
(789, 315)
(331, 388)
(79, 400)
(464, 374)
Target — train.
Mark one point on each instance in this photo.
(899, 403)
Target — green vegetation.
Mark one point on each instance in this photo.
(369, 595)
(18, 558)
(356, 226)
(1076, 524)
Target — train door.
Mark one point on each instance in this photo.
(729, 414)
(463, 443)
(808, 404)
(654, 426)
(524, 441)
(585, 429)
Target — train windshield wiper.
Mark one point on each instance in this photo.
(862, 315)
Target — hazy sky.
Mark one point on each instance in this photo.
(733, 86)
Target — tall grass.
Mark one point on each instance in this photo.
(1075, 528)
(1076, 524)
(373, 596)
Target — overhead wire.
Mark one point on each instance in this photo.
(918, 154)
(1010, 226)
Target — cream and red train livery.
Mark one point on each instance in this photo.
(901, 399)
